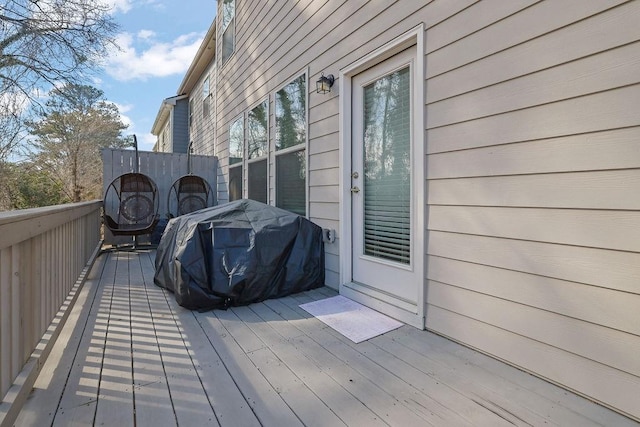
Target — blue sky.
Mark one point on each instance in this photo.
(158, 40)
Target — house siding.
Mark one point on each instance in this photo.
(165, 139)
(202, 130)
(532, 166)
(532, 174)
(180, 126)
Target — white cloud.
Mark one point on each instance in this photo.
(123, 6)
(122, 109)
(156, 60)
(146, 34)
(146, 141)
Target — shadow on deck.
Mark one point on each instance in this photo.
(129, 355)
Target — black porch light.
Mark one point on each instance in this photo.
(324, 83)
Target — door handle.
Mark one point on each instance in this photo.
(355, 190)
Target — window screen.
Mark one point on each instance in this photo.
(257, 180)
(291, 182)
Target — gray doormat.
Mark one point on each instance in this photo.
(353, 320)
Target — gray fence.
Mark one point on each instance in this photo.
(163, 168)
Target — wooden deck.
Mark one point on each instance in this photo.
(129, 355)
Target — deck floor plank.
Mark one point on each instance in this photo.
(153, 403)
(461, 400)
(345, 405)
(373, 392)
(282, 364)
(409, 385)
(115, 397)
(129, 355)
(405, 382)
(516, 387)
(190, 402)
(496, 390)
(80, 396)
(49, 385)
(228, 404)
(263, 399)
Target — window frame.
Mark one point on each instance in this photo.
(206, 94)
(240, 164)
(299, 147)
(267, 147)
(231, 26)
(271, 155)
(191, 112)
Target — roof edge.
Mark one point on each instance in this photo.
(206, 52)
(164, 111)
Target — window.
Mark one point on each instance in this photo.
(164, 138)
(257, 147)
(236, 154)
(290, 143)
(387, 167)
(228, 29)
(206, 98)
(258, 155)
(190, 112)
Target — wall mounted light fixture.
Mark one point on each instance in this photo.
(324, 83)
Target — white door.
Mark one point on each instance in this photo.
(383, 180)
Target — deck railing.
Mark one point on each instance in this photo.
(43, 254)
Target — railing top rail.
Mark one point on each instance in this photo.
(20, 225)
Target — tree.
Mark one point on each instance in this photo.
(11, 124)
(68, 133)
(26, 185)
(51, 41)
(44, 43)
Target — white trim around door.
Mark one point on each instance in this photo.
(408, 305)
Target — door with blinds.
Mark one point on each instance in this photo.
(382, 179)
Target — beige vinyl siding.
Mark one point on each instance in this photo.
(563, 45)
(165, 138)
(307, 40)
(533, 165)
(533, 172)
(202, 130)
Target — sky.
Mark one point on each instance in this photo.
(158, 41)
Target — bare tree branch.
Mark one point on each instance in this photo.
(44, 43)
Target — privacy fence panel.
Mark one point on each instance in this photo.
(163, 168)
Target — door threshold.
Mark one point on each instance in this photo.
(396, 308)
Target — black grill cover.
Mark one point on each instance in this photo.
(238, 253)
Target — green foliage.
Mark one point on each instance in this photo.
(68, 133)
(28, 186)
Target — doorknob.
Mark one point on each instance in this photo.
(355, 190)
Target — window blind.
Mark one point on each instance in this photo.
(387, 169)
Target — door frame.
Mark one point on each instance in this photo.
(399, 309)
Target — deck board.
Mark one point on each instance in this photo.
(227, 402)
(262, 398)
(129, 355)
(365, 374)
(153, 404)
(115, 389)
(78, 400)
